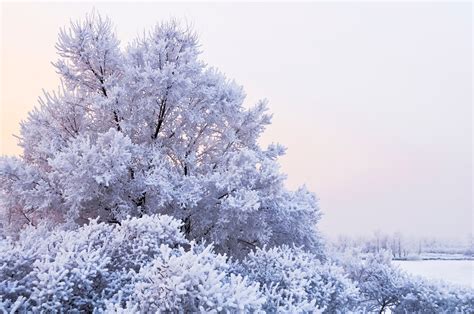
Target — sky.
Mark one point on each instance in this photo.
(372, 100)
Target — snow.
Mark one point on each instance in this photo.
(453, 271)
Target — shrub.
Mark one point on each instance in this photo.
(143, 264)
(296, 281)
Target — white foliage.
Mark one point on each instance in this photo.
(93, 175)
(385, 288)
(144, 264)
(79, 269)
(297, 281)
(25, 194)
(195, 281)
(424, 296)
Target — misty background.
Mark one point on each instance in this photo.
(372, 100)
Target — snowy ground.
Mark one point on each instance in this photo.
(454, 271)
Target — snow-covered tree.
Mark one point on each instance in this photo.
(152, 129)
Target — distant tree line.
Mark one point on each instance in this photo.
(406, 247)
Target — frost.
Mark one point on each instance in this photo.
(297, 281)
(143, 265)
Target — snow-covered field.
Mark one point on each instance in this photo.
(454, 271)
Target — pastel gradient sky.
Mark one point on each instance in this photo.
(373, 100)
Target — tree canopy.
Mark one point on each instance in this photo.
(148, 129)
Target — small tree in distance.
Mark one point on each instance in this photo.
(152, 129)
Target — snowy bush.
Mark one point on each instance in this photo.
(65, 269)
(384, 288)
(17, 258)
(381, 285)
(296, 281)
(144, 262)
(426, 296)
(196, 280)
